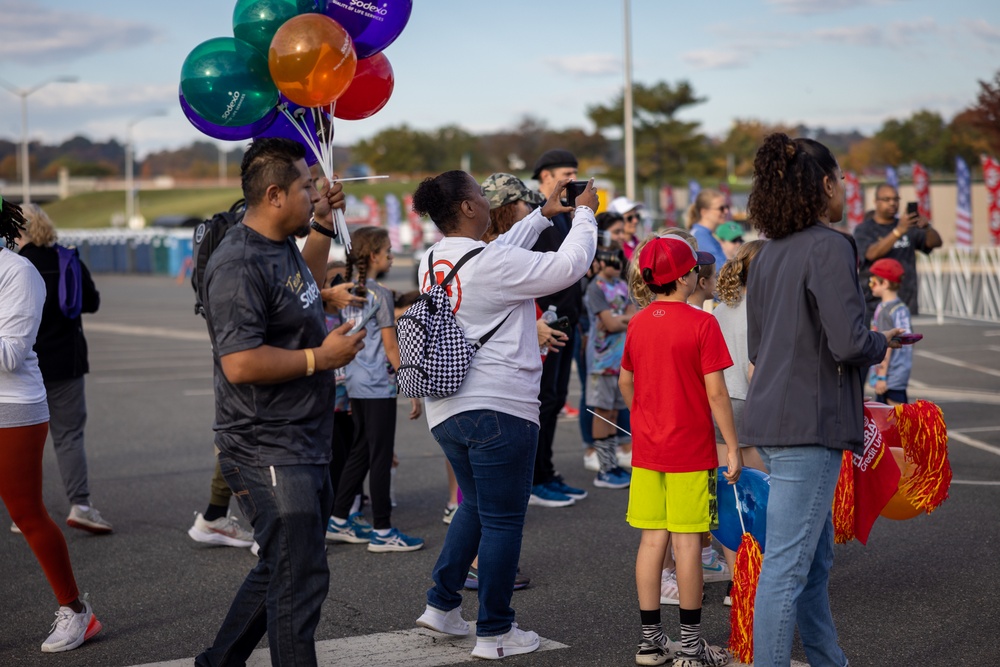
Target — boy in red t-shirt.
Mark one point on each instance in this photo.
(671, 379)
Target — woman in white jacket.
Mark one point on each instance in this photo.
(488, 429)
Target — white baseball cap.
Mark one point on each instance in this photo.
(622, 205)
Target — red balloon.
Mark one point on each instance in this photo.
(312, 60)
(369, 90)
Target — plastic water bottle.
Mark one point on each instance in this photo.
(549, 317)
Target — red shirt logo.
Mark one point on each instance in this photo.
(453, 289)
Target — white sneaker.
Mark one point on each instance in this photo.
(716, 569)
(590, 461)
(71, 629)
(449, 623)
(624, 458)
(513, 642)
(668, 588)
(224, 530)
(88, 519)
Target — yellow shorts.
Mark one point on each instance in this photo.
(681, 502)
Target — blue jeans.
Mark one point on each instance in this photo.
(493, 455)
(796, 569)
(282, 596)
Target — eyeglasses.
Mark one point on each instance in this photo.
(724, 207)
(888, 199)
(630, 217)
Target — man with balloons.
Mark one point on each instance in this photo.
(289, 69)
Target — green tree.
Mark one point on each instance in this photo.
(922, 137)
(666, 148)
(396, 150)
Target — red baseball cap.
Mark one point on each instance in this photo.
(887, 268)
(669, 259)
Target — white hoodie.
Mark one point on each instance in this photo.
(505, 278)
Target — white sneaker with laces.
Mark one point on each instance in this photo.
(513, 642)
(224, 531)
(88, 519)
(449, 623)
(668, 588)
(71, 629)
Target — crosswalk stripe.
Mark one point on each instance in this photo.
(413, 648)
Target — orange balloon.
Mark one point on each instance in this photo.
(312, 60)
(899, 507)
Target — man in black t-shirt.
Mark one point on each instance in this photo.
(884, 233)
(273, 395)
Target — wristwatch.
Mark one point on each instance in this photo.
(322, 230)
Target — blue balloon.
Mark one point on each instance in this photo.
(372, 24)
(283, 127)
(752, 488)
(225, 132)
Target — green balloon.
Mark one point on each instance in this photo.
(256, 21)
(226, 81)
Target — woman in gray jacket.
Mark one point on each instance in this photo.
(810, 348)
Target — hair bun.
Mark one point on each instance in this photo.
(790, 150)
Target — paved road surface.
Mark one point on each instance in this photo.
(923, 592)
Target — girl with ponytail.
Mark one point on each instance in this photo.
(371, 386)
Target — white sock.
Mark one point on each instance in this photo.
(337, 519)
(356, 506)
(706, 554)
(383, 532)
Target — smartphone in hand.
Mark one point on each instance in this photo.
(561, 324)
(573, 190)
(908, 338)
(912, 209)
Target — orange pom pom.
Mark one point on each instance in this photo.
(924, 437)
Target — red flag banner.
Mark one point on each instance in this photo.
(668, 206)
(865, 488)
(922, 185)
(855, 200)
(991, 174)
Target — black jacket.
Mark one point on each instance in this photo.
(60, 344)
(808, 342)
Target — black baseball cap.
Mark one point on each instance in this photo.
(556, 157)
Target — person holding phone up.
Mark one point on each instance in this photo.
(885, 233)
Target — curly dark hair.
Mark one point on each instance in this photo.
(439, 197)
(11, 223)
(787, 193)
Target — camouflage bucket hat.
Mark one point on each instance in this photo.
(501, 189)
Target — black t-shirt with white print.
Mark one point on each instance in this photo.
(260, 292)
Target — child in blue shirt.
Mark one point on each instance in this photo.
(891, 377)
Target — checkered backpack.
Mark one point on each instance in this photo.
(434, 354)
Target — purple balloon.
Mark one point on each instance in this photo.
(372, 24)
(284, 128)
(224, 132)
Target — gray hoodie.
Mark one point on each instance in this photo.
(808, 342)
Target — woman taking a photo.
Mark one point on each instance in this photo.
(488, 429)
(810, 349)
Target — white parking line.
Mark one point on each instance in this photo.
(154, 332)
(956, 362)
(413, 648)
(972, 442)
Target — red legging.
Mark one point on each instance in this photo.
(21, 491)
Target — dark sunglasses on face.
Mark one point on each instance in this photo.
(631, 217)
(724, 207)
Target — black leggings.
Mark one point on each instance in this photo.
(371, 454)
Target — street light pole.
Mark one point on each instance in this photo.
(23, 93)
(627, 103)
(130, 167)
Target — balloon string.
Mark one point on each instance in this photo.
(610, 422)
(739, 512)
(301, 129)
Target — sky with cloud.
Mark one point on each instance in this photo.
(841, 64)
